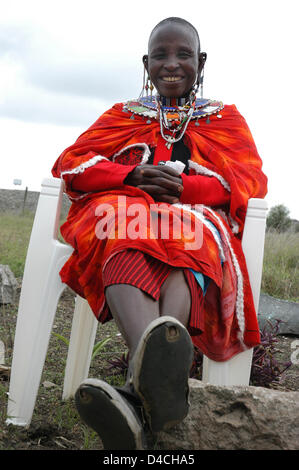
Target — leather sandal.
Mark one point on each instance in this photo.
(159, 372)
(106, 410)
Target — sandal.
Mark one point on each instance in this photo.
(110, 414)
(160, 372)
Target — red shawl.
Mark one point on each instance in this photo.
(223, 148)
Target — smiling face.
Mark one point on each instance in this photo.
(174, 61)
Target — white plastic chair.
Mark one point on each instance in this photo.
(42, 287)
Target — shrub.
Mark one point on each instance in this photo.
(266, 370)
(278, 218)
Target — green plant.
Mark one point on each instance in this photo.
(118, 366)
(96, 349)
(3, 395)
(266, 370)
(89, 437)
(196, 368)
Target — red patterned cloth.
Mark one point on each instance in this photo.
(137, 269)
(223, 149)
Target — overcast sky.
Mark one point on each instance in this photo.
(63, 63)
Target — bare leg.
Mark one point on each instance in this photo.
(175, 299)
(132, 310)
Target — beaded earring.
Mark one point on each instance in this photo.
(143, 84)
(147, 85)
(198, 85)
(201, 78)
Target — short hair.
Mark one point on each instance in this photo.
(181, 21)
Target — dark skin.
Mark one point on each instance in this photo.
(163, 183)
(174, 64)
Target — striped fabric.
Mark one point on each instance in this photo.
(148, 274)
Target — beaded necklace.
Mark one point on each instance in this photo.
(174, 114)
(175, 120)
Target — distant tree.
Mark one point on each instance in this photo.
(278, 218)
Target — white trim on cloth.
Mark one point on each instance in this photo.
(81, 168)
(202, 170)
(240, 285)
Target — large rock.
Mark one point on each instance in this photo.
(231, 418)
(271, 309)
(8, 285)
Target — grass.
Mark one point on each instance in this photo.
(15, 232)
(281, 265)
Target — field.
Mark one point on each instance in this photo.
(281, 265)
(56, 424)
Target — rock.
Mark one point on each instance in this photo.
(236, 418)
(4, 372)
(271, 309)
(295, 354)
(48, 384)
(8, 285)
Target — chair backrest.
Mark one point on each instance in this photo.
(49, 204)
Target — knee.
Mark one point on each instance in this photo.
(175, 290)
(175, 284)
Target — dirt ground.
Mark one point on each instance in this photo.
(56, 424)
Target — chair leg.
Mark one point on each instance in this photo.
(37, 308)
(235, 371)
(84, 328)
